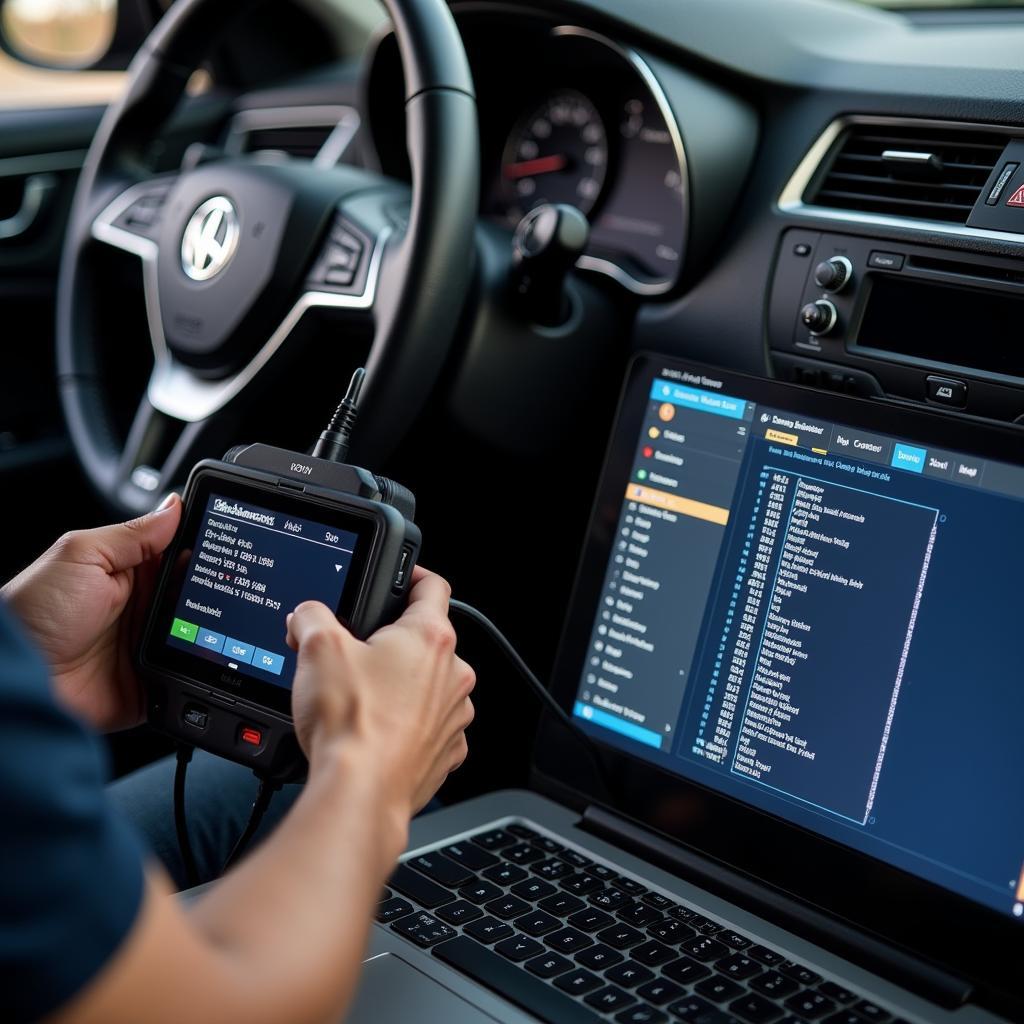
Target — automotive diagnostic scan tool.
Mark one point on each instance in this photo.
(262, 531)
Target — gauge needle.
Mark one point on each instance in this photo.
(542, 165)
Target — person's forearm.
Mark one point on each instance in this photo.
(294, 917)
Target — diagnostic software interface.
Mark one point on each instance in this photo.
(249, 566)
(825, 623)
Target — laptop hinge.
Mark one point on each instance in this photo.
(866, 951)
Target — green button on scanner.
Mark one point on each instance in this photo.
(184, 630)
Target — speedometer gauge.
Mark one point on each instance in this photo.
(558, 153)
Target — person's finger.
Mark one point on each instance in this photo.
(125, 545)
(312, 629)
(429, 594)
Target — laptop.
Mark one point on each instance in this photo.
(795, 789)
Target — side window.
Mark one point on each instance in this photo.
(50, 50)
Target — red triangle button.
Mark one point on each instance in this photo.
(1017, 199)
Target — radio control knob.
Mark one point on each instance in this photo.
(819, 317)
(834, 274)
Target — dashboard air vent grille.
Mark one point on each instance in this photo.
(303, 141)
(922, 172)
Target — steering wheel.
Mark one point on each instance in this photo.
(235, 251)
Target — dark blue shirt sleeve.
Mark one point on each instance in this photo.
(71, 875)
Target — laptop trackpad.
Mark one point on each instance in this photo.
(392, 990)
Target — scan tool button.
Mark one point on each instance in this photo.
(402, 575)
(251, 735)
(237, 651)
(268, 661)
(184, 630)
(196, 717)
(210, 640)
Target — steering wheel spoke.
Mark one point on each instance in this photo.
(130, 221)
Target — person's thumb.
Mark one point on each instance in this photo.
(126, 545)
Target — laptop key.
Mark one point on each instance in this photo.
(609, 999)
(737, 966)
(569, 940)
(489, 929)
(641, 1015)
(562, 904)
(532, 889)
(775, 985)
(610, 899)
(638, 914)
(652, 953)
(871, 1011)
(843, 1017)
(685, 971)
(547, 965)
(442, 870)
(602, 871)
(810, 1005)
(505, 874)
(459, 912)
(672, 932)
(507, 907)
(693, 1008)
(836, 992)
(798, 972)
(522, 853)
(620, 936)
(733, 939)
(767, 956)
(704, 948)
(547, 844)
(493, 840)
(423, 929)
(511, 982)
(552, 869)
(536, 922)
(718, 989)
(599, 958)
(629, 974)
(631, 885)
(575, 858)
(656, 900)
(755, 1008)
(660, 991)
(581, 885)
(418, 887)
(518, 948)
(392, 909)
(705, 925)
(590, 919)
(470, 856)
(480, 892)
(578, 982)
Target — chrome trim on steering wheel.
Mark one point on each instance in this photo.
(173, 387)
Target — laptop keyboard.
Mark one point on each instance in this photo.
(569, 939)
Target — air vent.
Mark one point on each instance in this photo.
(303, 141)
(922, 172)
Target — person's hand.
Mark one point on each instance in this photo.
(83, 602)
(402, 696)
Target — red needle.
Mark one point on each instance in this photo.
(542, 165)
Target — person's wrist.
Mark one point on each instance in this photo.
(349, 764)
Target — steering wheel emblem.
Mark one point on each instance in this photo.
(210, 239)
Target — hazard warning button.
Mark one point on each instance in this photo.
(1017, 199)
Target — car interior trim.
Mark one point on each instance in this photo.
(344, 118)
(791, 200)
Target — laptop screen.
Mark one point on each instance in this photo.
(823, 622)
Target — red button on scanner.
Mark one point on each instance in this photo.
(251, 735)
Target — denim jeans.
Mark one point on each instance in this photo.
(218, 798)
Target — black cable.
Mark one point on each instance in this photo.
(259, 807)
(539, 689)
(334, 441)
(180, 821)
